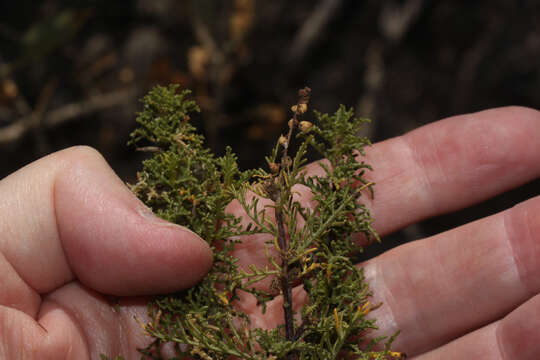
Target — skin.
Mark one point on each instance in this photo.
(72, 236)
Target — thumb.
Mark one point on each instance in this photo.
(85, 224)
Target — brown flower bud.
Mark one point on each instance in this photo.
(274, 168)
(304, 93)
(283, 141)
(304, 126)
(291, 123)
(300, 108)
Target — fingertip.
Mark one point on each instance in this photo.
(163, 257)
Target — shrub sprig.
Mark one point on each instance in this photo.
(185, 183)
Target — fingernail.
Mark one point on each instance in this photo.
(147, 213)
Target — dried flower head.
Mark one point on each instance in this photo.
(304, 126)
(283, 141)
(274, 168)
(299, 109)
(291, 123)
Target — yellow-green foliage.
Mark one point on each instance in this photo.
(186, 184)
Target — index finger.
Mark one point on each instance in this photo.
(451, 164)
(438, 168)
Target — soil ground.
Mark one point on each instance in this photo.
(71, 71)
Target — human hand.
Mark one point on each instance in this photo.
(70, 232)
(468, 293)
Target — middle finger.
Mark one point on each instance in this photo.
(436, 289)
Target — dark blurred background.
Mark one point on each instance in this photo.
(71, 72)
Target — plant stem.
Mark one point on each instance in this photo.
(284, 278)
(283, 243)
(284, 193)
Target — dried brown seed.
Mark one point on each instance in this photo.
(305, 126)
(274, 168)
(283, 141)
(292, 122)
(302, 108)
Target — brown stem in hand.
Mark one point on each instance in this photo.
(283, 243)
(285, 284)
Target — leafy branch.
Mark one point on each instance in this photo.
(311, 245)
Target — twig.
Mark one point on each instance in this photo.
(21, 105)
(218, 65)
(66, 113)
(472, 60)
(395, 20)
(373, 80)
(203, 35)
(312, 27)
(37, 116)
(279, 196)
